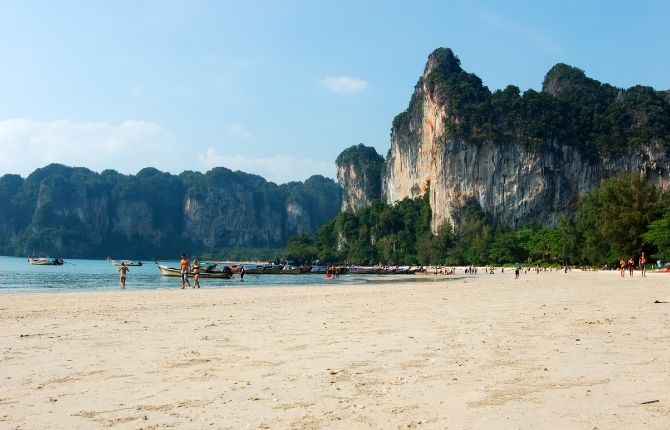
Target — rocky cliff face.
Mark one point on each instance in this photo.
(359, 170)
(74, 212)
(133, 219)
(228, 211)
(225, 208)
(515, 178)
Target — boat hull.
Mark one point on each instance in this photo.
(263, 270)
(175, 273)
(46, 261)
(126, 262)
(368, 270)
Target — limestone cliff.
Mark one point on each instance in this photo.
(359, 170)
(524, 158)
(226, 210)
(73, 212)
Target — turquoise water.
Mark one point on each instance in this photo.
(16, 275)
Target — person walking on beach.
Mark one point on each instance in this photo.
(123, 270)
(643, 265)
(622, 265)
(631, 266)
(517, 269)
(196, 273)
(184, 268)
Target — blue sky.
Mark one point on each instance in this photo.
(277, 88)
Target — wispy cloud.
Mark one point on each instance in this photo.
(127, 146)
(237, 130)
(344, 84)
(279, 169)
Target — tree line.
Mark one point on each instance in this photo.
(621, 218)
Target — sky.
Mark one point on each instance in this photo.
(277, 88)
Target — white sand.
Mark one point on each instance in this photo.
(573, 351)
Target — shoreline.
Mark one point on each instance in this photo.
(576, 350)
(232, 284)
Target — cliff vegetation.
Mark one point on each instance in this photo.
(620, 218)
(571, 108)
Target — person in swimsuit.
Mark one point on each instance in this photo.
(184, 268)
(631, 265)
(622, 266)
(123, 269)
(643, 265)
(196, 273)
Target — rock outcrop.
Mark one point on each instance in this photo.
(359, 170)
(525, 158)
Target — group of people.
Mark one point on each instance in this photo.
(333, 271)
(630, 265)
(184, 268)
(438, 270)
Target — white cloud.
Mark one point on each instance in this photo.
(344, 84)
(279, 169)
(127, 147)
(238, 130)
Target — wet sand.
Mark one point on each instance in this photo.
(582, 350)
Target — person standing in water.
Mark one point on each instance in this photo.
(184, 268)
(242, 273)
(123, 270)
(196, 273)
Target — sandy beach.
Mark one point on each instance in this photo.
(582, 350)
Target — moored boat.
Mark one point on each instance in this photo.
(126, 262)
(210, 272)
(276, 269)
(329, 270)
(364, 270)
(383, 270)
(45, 261)
(270, 269)
(290, 270)
(319, 269)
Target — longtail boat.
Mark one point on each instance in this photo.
(45, 261)
(209, 272)
(126, 262)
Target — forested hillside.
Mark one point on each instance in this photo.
(621, 218)
(74, 212)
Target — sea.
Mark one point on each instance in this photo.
(17, 275)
